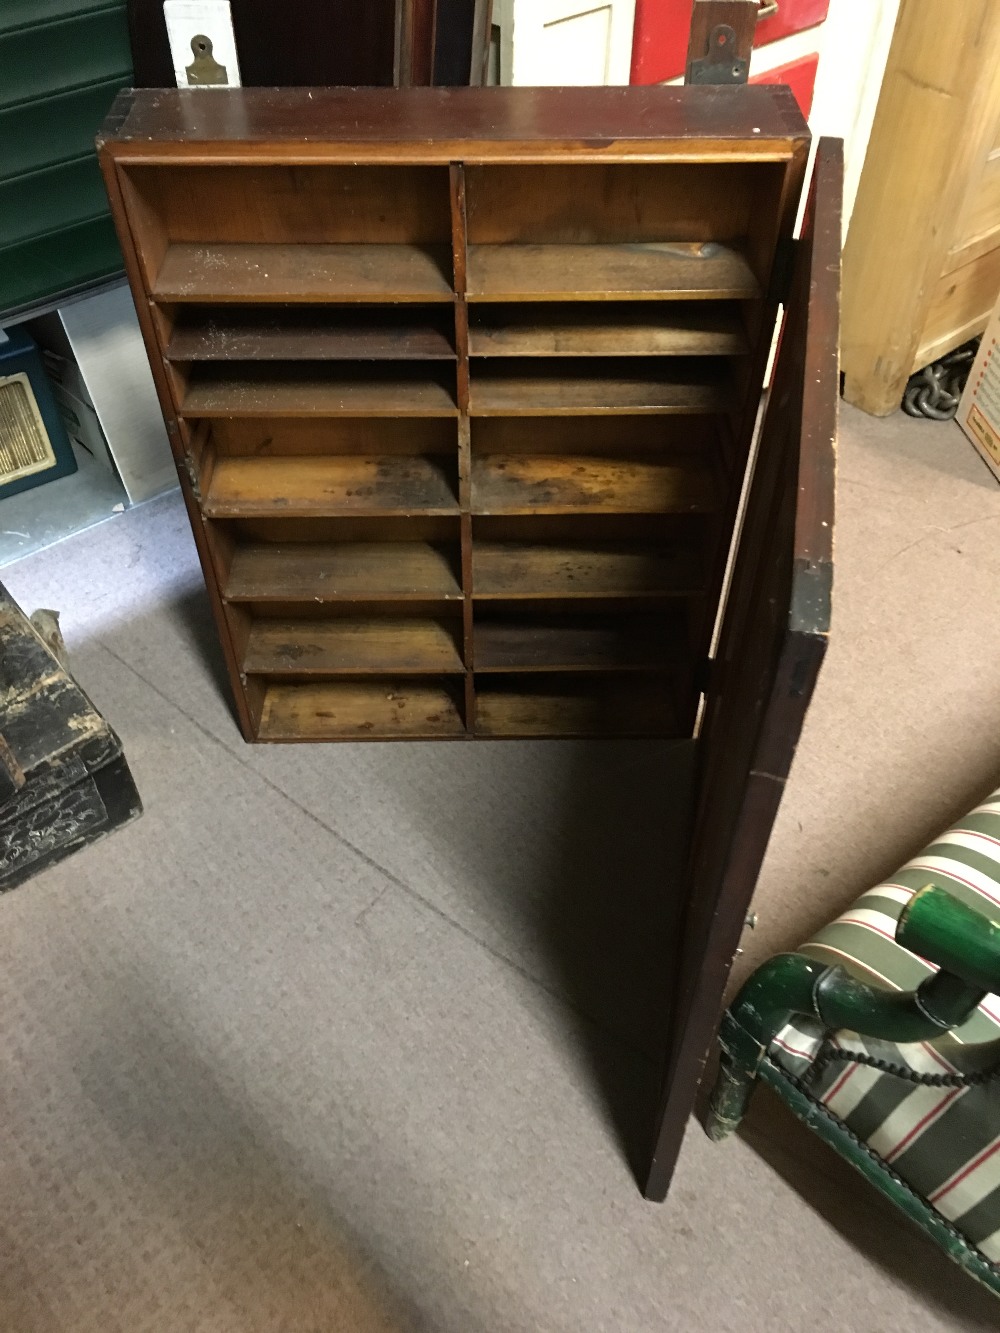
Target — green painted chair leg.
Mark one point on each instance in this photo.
(730, 1097)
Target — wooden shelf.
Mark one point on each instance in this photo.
(571, 644)
(358, 647)
(315, 487)
(703, 328)
(638, 272)
(241, 333)
(553, 388)
(369, 571)
(564, 706)
(462, 395)
(578, 484)
(283, 273)
(515, 570)
(359, 710)
(244, 389)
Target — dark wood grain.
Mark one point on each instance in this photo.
(445, 124)
(772, 643)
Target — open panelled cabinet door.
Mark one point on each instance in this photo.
(771, 645)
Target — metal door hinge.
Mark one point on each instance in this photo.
(722, 62)
(704, 673)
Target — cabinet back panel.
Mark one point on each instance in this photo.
(564, 529)
(297, 205)
(609, 203)
(444, 613)
(281, 531)
(234, 437)
(593, 435)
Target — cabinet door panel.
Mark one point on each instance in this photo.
(771, 646)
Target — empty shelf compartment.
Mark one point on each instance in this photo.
(338, 571)
(585, 484)
(379, 709)
(577, 643)
(660, 385)
(357, 646)
(605, 272)
(225, 272)
(674, 328)
(334, 485)
(295, 333)
(570, 706)
(585, 570)
(246, 389)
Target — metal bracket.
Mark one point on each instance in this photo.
(722, 62)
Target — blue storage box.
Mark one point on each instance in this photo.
(34, 446)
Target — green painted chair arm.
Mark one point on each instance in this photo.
(957, 938)
(964, 943)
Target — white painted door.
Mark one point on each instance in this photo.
(563, 42)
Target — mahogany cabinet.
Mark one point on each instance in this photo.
(462, 387)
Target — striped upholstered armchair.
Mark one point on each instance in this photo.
(883, 1035)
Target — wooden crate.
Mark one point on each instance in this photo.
(462, 388)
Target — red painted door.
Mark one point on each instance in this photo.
(659, 48)
(800, 75)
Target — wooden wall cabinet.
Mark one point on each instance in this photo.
(461, 386)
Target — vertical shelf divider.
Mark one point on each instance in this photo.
(460, 245)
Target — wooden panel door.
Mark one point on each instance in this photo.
(771, 645)
(564, 42)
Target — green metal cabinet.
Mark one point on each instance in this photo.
(63, 61)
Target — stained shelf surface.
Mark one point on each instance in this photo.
(227, 272)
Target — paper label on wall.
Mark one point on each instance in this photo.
(202, 44)
(979, 409)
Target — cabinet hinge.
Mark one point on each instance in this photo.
(722, 61)
(704, 673)
(783, 269)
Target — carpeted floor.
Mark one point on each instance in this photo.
(348, 1038)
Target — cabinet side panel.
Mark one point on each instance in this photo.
(140, 295)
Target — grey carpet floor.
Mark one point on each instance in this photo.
(358, 1037)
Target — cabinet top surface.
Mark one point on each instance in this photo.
(759, 121)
